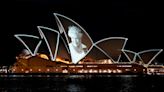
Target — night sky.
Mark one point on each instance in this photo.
(139, 21)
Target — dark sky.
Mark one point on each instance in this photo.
(138, 20)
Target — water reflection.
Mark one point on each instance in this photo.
(87, 84)
(127, 84)
(74, 88)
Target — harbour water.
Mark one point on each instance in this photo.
(74, 83)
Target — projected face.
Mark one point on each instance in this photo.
(77, 48)
(75, 34)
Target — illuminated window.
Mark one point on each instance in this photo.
(48, 70)
(13, 69)
(39, 69)
(114, 71)
(65, 71)
(109, 71)
(119, 71)
(22, 69)
(100, 71)
(95, 71)
(79, 66)
(30, 69)
(91, 65)
(26, 71)
(85, 71)
(90, 71)
(72, 66)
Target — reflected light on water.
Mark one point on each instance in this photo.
(85, 84)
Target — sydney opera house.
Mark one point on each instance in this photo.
(70, 50)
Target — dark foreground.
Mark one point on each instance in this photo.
(123, 83)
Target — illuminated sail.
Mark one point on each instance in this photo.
(64, 23)
(112, 46)
(51, 37)
(97, 54)
(31, 42)
(148, 56)
(131, 55)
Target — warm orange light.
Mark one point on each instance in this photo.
(44, 56)
(58, 59)
(48, 69)
(61, 60)
(26, 71)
